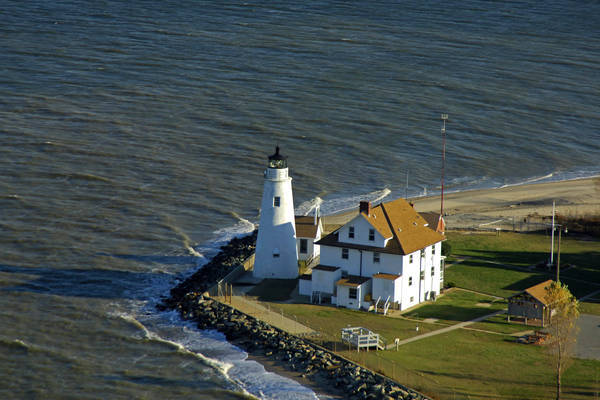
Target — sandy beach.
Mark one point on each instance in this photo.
(501, 207)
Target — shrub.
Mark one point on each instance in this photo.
(446, 248)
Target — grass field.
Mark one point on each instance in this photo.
(477, 365)
(484, 361)
(498, 264)
(330, 320)
(457, 306)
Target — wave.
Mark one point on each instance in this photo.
(530, 180)
(187, 242)
(338, 205)
(308, 206)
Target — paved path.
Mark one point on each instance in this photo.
(444, 330)
(588, 340)
(270, 317)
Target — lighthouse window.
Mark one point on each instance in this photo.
(345, 253)
(277, 201)
(371, 234)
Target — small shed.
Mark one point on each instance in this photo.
(531, 305)
(308, 231)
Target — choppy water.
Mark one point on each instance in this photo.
(133, 135)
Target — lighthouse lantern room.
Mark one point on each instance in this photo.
(276, 252)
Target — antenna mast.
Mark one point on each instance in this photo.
(441, 224)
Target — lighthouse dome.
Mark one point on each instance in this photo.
(277, 160)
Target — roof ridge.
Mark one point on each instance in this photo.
(395, 235)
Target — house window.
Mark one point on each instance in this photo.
(345, 253)
(422, 275)
(433, 250)
(412, 299)
(371, 234)
(375, 257)
(422, 253)
(303, 246)
(351, 232)
(410, 281)
(352, 293)
(410, 259)
(277, 201)
(441, 275)
(276, 253)
(432, 271)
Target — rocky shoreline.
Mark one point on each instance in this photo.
(257, 337)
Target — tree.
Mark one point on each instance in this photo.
(562, 328)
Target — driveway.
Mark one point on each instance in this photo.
(588, 340)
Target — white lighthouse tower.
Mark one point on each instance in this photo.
(276, 252)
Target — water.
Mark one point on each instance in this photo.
(133, 137)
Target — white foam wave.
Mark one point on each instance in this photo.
(184, 345)
(337, 205)
(308, 206)
(187, 242)
(529, 181)
(242, 227)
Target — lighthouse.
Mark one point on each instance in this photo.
(276, 252)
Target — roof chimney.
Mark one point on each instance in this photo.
(365, 207)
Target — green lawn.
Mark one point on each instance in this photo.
(526, 249)
(330, 320)
(498, 266)
(457, 306)
(498, 324)
(465, 364)
(586, 307)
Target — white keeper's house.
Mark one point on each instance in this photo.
(386, 257)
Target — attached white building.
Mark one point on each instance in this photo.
(308, 231)
(386, 256)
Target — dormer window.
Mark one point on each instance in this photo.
(371, 234)
(351, 232)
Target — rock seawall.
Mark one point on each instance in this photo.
(257, 337)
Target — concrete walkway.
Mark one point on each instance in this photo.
(444, 330)
(273, 318)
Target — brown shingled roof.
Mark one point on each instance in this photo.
(538, 291)
(377, 220)
(305, 226)
(398, 221)
(352, 281)
(409, 227)
(390, 277)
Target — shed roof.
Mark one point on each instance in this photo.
(327, 268)
(390, 277)
(352, 281)
(538, 291)
(305, 226)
